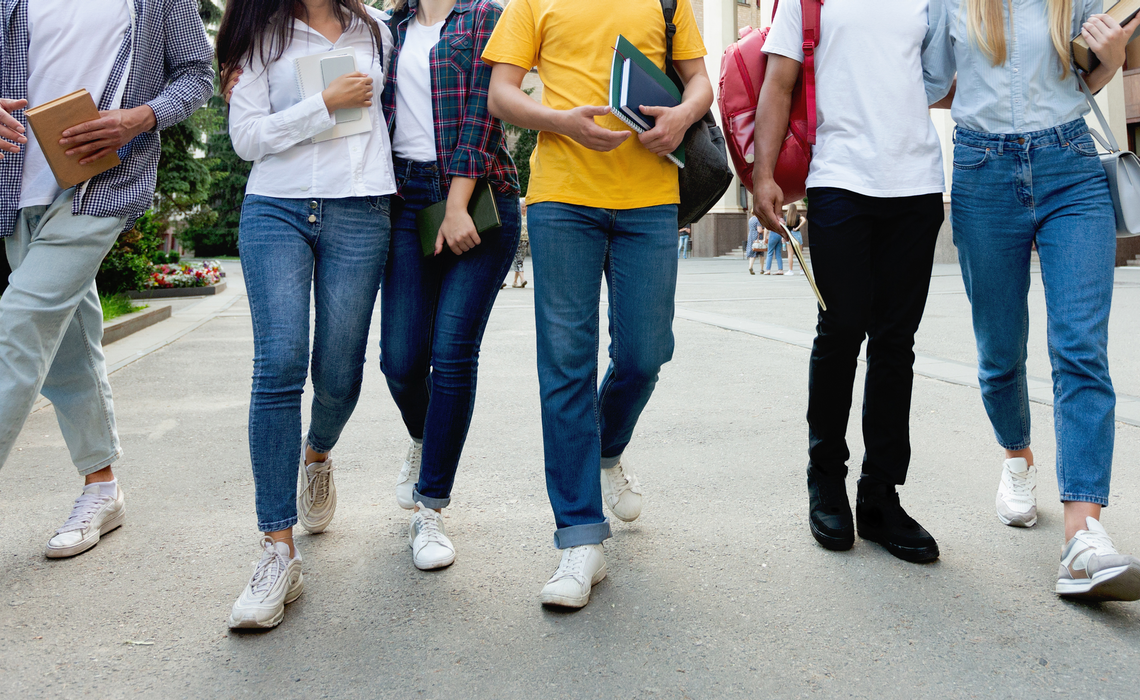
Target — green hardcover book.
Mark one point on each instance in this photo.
(482, 208)
(623, 49)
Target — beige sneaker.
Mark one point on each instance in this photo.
(621, 492)
(1092, 569)
(316, 495)
(92, 516)
(580, 569)
(277, 581)
(431, 548)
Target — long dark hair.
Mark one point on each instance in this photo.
(266, 27)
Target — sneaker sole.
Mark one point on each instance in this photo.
(109, 525)
(915, 555)
(433, 566)
(250, 624)
(1120, 583)
(561, 601)
(623, 518)
(835, 544)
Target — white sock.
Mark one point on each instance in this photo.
(107, 488)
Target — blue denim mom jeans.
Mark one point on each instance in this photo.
(585, 427)
(335, 249)
(1012, 191)
(433, 314)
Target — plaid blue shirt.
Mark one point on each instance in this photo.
(469, 142)
(170, 71)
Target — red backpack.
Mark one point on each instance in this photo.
(741, 75)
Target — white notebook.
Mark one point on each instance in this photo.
(315, 73)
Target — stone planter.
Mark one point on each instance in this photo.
(123, 326)
(179, 292)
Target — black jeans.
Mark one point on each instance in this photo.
(872, 259)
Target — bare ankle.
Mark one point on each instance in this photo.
(100, 477)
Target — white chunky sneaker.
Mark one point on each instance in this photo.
(277, 580)
(621, 492)
(409, 475)
(1017, 493)
(92, 516)
(431, 549)
(581, 567)
(1092, 569)
(316, 495)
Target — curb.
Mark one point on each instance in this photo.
(179, 292)
(133, 323)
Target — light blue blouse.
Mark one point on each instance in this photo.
(1027, 92)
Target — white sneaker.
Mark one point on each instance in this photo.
(431, 549)
(409, 475)
(1092, 569)
(92, 516)
(581, 567)
(621, 492)
(1017, 493)
(316, 495)
(277, 581)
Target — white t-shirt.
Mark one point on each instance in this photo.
(415, 128)
(874, 136)
(71, 45)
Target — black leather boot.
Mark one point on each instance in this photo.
(881, 518)
(829, 512)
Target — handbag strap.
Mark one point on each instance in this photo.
(1111, 146)
(811, 11)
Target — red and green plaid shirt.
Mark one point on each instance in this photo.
(469, 142)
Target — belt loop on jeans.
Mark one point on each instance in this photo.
(1001, 143)
(954, 135)
(1060, 137)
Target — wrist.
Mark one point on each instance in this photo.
(142, 119)
(331, 103)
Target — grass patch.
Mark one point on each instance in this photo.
(116, 305)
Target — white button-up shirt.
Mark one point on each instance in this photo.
(273, 127)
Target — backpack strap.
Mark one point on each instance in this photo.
(811, 12)
(669, 8)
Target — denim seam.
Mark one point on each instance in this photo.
(277, 525)
(116, 451)
(1058, 417)
(1084, 498)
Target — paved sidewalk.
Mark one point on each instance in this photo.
(718, 591)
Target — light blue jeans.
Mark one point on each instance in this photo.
(51, 331)
(585, 427)
(1046, 188)
(775, 251)
(335, 249)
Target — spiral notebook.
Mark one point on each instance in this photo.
(636, 81)
(315, 73)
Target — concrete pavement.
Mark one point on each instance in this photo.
(717, 591)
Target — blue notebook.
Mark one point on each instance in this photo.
(638, 89)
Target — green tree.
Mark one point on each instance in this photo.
(218, 235)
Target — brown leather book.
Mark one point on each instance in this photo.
(1122, 12)
(49, 121)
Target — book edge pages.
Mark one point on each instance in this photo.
(34, 111)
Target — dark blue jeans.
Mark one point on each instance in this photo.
(335, 249)
(585, 427)
(1045, 188)
(433, 314)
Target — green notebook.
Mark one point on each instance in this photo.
(623, 50)
(482, 208)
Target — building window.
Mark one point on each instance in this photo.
(742, 2)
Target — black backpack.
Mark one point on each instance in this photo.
(706, 175)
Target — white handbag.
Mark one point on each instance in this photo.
(1123, 171)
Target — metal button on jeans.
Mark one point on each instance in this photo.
(312, 218)
(313, 204)
(1021, 142)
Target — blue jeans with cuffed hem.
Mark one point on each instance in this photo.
(584, 426)
(434, 311)
(775, 251)
(1045, 188)
(333, 249)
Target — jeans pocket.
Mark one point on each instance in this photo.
(969, 157)
(1084, 145)
(380, 205)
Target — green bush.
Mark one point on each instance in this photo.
(173, 257)
(128, 265)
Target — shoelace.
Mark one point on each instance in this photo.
(266, 572)
(571, 565)
(318, 485)
(429, 527)
(1099, 541)
(1019, 486)
(412, 462)
(83, 511)
(625, 482)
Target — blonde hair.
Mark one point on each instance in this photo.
(986, 22)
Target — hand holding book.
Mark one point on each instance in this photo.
(579, 124)
(670, 125)
(100, 137)
(11, 131)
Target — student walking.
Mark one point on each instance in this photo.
(315, 221)
(523, 249)
(875, 188)
(1026, 173)
(775, 252)
(796, 224)
(600, 202)
(147, 66)
(434, 308)
(755, 246)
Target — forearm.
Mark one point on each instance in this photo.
(697, 97)
(459, 194)
(510, 104)
(1099, 77)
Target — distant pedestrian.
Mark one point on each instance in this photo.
(523, 250)
(755, 246)
(314, 226)
(775, 252)
(796, 223)
(147, 66)
(684, 241)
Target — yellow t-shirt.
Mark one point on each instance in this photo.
(572, 42)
